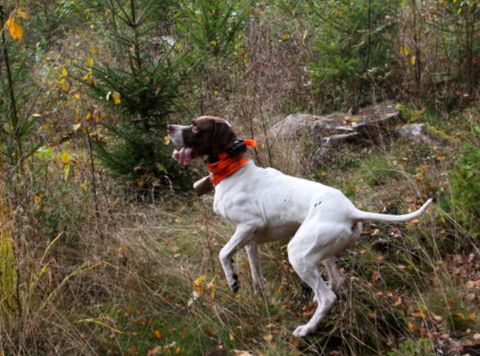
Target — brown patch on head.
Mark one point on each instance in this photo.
(208, 135)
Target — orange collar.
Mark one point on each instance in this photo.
(226, 166)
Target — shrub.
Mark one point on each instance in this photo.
(420, 347)
(465, 185)
(353, 53)
(212, 28)
(145, 87)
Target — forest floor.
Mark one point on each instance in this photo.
(158, 287)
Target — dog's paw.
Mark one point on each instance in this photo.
(235, 285)
(303, 330)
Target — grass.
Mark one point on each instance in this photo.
(144, 278)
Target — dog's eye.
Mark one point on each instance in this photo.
(195, 129)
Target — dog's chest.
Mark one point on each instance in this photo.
(272, 199)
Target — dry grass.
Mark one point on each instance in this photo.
(126, 280)
(129, 282)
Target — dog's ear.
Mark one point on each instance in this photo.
(223, 136)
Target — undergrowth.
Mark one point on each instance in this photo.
(149, 281)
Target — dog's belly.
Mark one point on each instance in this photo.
(278, 232)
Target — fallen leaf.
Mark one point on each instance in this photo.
(268, 338)
(197, 284)
(419, 314)
(157, 334)
(398, 301)
(375, 277)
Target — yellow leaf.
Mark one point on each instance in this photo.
(460, 315)
(157, 334)
(405, 51)
(22, 14)
(76, 96)
(212, 287)
(64, 72)
(64, 85)
(66, 157)
(15, 29)
(166, 139)
(84, 185)
(419, 314)
(199, 280)
(116, 98)
(87, 75)
(89, 62)
(285, 36)
(472, 316)
(268, 338)
(413, 60)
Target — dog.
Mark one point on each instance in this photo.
(266, 205)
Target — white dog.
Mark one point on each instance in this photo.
(266, 205)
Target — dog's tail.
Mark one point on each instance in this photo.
(365, 215)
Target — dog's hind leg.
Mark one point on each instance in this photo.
(335, 277)
(312, 244)
(253, 259)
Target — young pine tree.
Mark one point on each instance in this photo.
(144, 84)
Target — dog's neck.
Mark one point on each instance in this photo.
(236, 148)
(230, 161)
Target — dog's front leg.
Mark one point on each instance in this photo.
(254, 261)
(243, 234)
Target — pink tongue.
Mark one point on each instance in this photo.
(184, 156)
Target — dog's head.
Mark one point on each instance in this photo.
(207, 135)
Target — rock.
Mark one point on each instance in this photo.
(303, 135)
(415, 132)
(334, 127)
